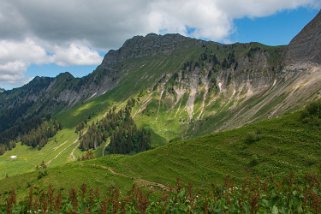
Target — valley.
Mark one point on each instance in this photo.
(164, 108)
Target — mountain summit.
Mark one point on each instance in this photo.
(306, 46)
(143, 46)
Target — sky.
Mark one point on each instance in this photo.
(45, 37)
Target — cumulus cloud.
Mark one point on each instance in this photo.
(16, 56)
(12, 72)
(45, 31)
(27, 50)
(75, 54)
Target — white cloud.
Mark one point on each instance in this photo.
(29, 30)
(16, 56)
(26, 51)
(75, 54)
(12, 72)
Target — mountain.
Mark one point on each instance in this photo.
(305, 47)
(210, 113)
(2, 90)
(184, 87)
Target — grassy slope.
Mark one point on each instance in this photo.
(57, 152)
(286, 145)
(138, 75)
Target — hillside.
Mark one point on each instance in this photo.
(279, 146)
(183, 88)
(304, 48)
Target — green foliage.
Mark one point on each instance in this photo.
(42, 170)
(287, 195)
(253, 137)
(88, 155)
(125, 137)
(10, 135)
(312, 114)
(38, 137)
(129, 140)
(80, 127)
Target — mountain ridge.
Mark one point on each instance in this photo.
(207, 85)
(305, 46)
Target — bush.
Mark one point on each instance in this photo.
(312, 114)
(253, 137)
(42, 170)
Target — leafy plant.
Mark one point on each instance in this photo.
(253, 137)
(291, 194)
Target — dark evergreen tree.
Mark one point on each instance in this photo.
(38, 137)
(125, 137)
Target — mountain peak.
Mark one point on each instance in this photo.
(65, 75)
(142, 46)
(151, 44)
(306, 46)
(2, 90)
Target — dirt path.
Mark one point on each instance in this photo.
(49, 162)
(57, 147)
(72, 155)
(137, 181)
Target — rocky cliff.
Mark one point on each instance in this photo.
(306, 46)
(142, 46)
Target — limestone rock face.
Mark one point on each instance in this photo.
(306, 46)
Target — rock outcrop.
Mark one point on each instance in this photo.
(306, 46)
(142, 46)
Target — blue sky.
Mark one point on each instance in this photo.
(277, 29)
(76, 40)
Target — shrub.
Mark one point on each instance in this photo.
(253, 137)
(42, 170)
(312, 114)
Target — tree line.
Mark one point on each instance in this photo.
(9, 137)
(38, 137)
(125, 137)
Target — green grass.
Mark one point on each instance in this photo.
(285, 145)
(56, 152)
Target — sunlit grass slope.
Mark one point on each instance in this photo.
(273, 147)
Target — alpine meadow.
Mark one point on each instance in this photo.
(167, 123)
